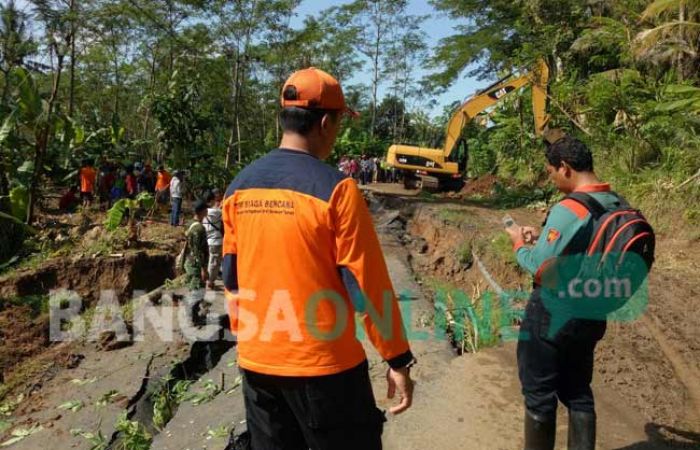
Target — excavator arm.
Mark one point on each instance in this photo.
(488, 97)
(439, 167)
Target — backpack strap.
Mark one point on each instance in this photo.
(591, 204)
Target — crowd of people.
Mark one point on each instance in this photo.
(368, 169)
(113, 181)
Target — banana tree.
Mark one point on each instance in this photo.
(128, 207)
(34, 121)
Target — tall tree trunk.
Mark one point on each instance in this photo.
(4, 184)
(171, 26)
(151, 90)
(238, 138)
(42, 140)
(117, 86)
(680, 70)
(375, 82)
(117, 80)
(71, 96)
(6, 87)
(234, 96)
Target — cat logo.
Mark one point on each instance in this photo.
(430, 164)
(403, 160)
(499, 94)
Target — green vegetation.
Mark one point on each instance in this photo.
(502, 249)
(625, 80)
(37, 304)
(465, 253)
(12, 235)
(97, 440)
(127, 207)
(455, 216)
(471, 321)
(165, 399)
(73, 406)
(195, 86)
(133, 435)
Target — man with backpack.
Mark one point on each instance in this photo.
(557, 364)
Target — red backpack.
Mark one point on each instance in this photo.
(618, 231)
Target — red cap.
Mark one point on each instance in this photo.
(313, 88)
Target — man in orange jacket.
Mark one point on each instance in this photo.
(88, 177)
(300, 258)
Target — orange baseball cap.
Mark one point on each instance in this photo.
(313, 88)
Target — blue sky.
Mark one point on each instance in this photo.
(436, 27)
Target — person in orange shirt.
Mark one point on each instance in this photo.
(162, 185)
(88, 178)
(301, 257)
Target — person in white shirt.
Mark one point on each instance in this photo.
(214, 226)
(176, 198)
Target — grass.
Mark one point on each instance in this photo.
(472, 322)
(505, 197)
(501, 247)
(38, 304)
(455, 216)
(465, 253)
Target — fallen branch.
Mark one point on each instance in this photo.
(694, 177)
(569, 116)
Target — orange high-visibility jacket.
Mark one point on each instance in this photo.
(301, 257)
(88, 176)
(163, 180)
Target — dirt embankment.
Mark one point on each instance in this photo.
(89, 276)
(653, 362)
(24, 293)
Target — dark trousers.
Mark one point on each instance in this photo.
(558, 368)
(332, 412)
(176, 203)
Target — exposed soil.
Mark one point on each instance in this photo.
(89, 276)
(24, 322)
(483, 185)
(21, 335)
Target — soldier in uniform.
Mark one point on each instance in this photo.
(197, 254)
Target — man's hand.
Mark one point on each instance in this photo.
(400, 380)
(530, 234)
(515, 233)
(205, 275)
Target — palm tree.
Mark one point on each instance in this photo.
(675, 38)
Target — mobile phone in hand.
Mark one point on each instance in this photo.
(508, 221)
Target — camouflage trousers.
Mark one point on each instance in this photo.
(193, 276)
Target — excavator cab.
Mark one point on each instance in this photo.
(460, 155)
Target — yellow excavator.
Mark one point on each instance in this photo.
(445, 168)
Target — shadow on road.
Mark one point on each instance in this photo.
(662, 437)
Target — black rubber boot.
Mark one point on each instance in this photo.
(540, 432)
(581, 430)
